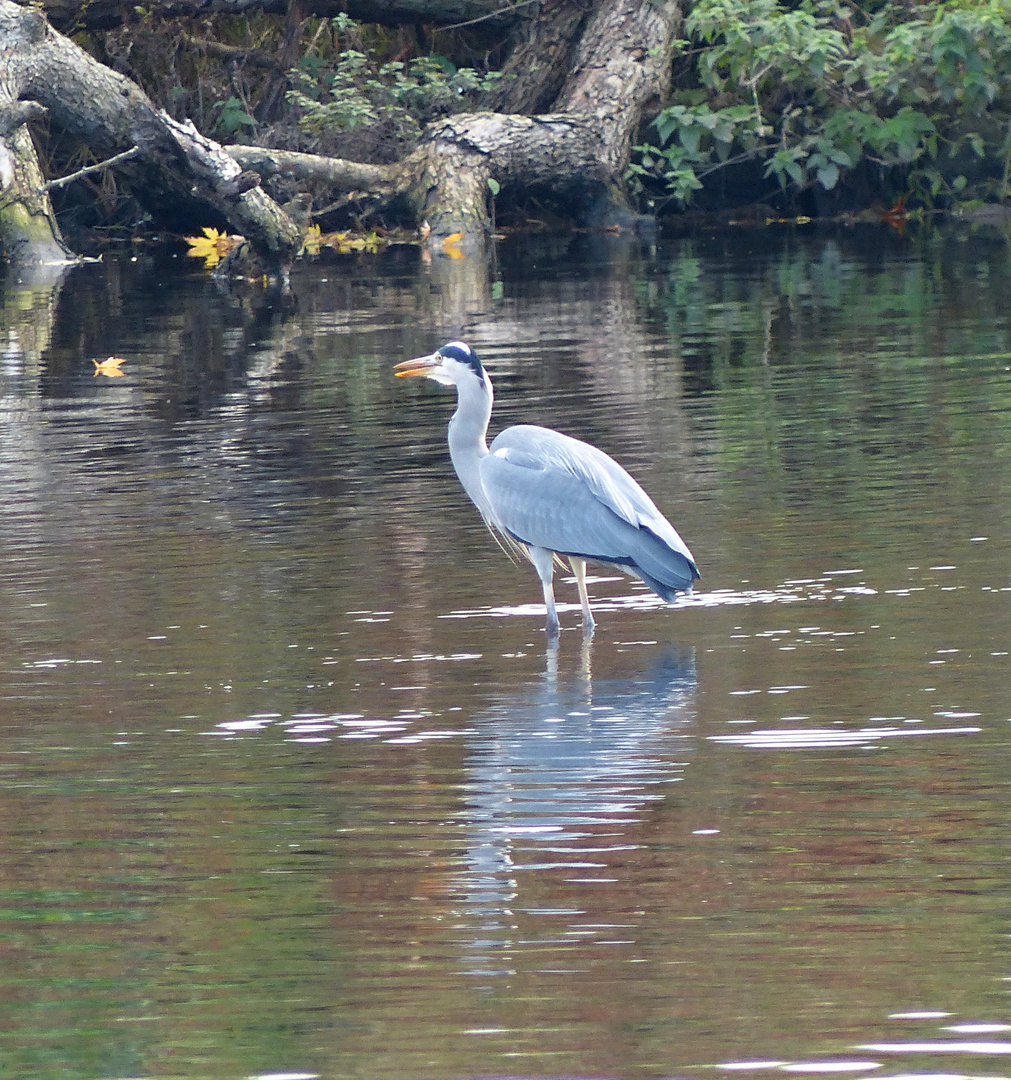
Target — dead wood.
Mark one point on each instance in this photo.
(618, 67)
(589, 70)
(177, 174)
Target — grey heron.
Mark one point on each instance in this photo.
(551, 495)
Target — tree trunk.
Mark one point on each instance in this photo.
(557, 152)
(540, 59)
(28, 230)
(177, 174)
(580, 149)
(623, 62)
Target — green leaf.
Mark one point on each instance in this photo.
(828, 176)
(689, 138)
(667, 122)
(443, 62)
(232, 117)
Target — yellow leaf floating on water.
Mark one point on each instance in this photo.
(342, 242)
(212, 247)
(110, 366)
(449, 245)
(346, 242)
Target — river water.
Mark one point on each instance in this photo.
(291, 781)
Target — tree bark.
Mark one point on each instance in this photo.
(622, 62)
(28, 230)
(540, 58)
(178, 175)
(336, 172)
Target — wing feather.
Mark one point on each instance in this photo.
(549, 490)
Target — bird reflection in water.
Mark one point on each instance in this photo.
(560, 774)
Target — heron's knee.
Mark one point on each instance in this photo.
(543, 562)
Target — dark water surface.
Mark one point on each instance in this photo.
(290, 782)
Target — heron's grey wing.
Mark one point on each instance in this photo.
(549, 490)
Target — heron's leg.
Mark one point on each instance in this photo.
(579, 569)
(543, 564)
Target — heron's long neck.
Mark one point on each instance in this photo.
(467, 430)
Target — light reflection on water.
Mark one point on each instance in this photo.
(290, 781)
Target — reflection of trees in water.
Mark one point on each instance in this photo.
(559, 775)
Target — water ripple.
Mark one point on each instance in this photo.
(820, 738)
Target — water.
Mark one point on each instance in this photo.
(290, 781)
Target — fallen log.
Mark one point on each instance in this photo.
(576, 148)
(177, 174)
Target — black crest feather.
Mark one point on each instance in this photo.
(464, 354)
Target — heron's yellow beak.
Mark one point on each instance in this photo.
(420, 365)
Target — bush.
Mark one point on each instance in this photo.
(813, 91)
(354, 91)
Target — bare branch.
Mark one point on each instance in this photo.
(52, 185)
(507, 10)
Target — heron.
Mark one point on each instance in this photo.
(551, 496)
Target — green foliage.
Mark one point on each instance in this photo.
(759, 44)
(354, 91)
(811, 90)
(695, 140)
(232, 118)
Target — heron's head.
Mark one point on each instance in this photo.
(454, 364)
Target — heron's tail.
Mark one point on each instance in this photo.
(665, 569)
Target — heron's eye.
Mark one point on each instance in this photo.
(463, 354)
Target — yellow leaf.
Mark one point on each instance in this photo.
(344, 243)
(201, 245)
(109, 366)
(449, 246)
(212, 246)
